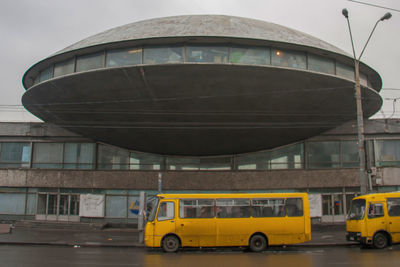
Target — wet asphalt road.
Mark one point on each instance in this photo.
(60, 256)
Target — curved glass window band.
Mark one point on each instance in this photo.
(321, 64)
(248, 55)
(64, 67)
(215, 54)
(200, 53)
(124, 57)
(159, 55)
(290, 59)
(89, 62)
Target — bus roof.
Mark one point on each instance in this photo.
(379, 195)
(232, 195)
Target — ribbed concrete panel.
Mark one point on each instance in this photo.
(203, 25)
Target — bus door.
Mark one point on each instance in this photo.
(375, 218)
(165, 220)
(196, 223)
(393, 206)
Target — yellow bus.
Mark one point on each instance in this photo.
(225, 220)
(374, 219)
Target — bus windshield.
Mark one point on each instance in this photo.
(151, 209)
(357, 210)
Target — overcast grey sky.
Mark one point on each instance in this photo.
(32, 30)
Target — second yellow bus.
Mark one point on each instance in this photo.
(212, 220)
(375, 219)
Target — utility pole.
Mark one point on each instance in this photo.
(357, 91)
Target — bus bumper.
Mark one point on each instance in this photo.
(354, 236)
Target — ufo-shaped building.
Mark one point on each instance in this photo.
(198, 86)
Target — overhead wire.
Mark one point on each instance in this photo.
(282, 91)
(158, 100)
(67, 108)
(374, 5)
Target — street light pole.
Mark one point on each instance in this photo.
(357, 91)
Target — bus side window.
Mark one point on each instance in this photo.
(375, 210)
(393, 205)
(166, 211)
(294, 207)
(196, 208)
(268, 207)
(233, 208)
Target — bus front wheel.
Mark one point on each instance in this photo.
(170, 243)
(258, 243)
(380, 240)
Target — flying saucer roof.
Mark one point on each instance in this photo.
(216, 85)
(203, 25)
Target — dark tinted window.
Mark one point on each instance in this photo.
(393, 206)
(375, 210)
(196, 208)
(294, 207)
(233, 208)
(268, 207)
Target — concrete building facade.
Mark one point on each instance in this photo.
(45, 169)
(192, 104)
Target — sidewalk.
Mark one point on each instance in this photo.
(113, 237)
(322, 235)
(328, 235)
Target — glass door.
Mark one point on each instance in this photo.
(63, 208)
(333, 208)
(41, 209)
(57, 207)
(72, 209)
(52, 207)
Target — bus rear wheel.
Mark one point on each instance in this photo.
(170, 243)
(257, 243)
(380, 240)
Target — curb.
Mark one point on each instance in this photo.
(325, 245)
(87, 244)
(137, 245)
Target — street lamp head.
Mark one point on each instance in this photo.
(386, 16)
(346, 13)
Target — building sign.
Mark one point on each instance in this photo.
(91, 205)
(134, 207)
(315, 205)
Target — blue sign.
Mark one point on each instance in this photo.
(134, 207)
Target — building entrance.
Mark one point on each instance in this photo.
(335, 207)
(57, 207)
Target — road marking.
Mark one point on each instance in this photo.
(342, 263)
(106, 264)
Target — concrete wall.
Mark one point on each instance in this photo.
(188, 180)
(181, 180)
(390, 176)
(377, 127)
(32, 129)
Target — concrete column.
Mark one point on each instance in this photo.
(142, 215)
